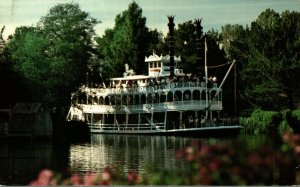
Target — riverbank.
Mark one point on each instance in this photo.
(265, 122)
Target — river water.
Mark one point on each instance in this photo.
(20, 162)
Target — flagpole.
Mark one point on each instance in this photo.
(206, 81)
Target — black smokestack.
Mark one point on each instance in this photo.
(171, 44)
(198, 29)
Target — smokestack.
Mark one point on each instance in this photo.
(171, 44)
(198, 29)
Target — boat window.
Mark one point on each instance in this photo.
(163, 97)
(101, 101)
(187, 95)
(143, 99)
(158, 117)
(178, 96)
(170, 97)
(124, 100)
(106, 101)
(130, 100)
(156, 98)
(136, 99)
(196, 95)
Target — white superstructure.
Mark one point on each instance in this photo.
(153, 103)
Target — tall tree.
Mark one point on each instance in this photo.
(55, 55)
(12, 88)
(270, 75)
(27, 50)
(128, 42)
(233, 40)
(70, 31)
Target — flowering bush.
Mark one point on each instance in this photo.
(107, 177)
(236, 165)
(220, 164)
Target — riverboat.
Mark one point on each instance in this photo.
(166, 101)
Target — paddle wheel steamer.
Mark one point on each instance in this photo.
(165, 101)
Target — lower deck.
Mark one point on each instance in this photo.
(158, 130)
(158, 122)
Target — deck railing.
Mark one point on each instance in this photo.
(127, 127)
(155, 107)
(148, 89)
(136, 128)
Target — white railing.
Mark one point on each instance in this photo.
(146, 89)
(155, 107)
(127, 127)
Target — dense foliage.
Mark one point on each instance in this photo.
(53, 57)
(260, 121)
(268, 57)
(127, 43)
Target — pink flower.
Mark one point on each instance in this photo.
(89, 179)
(105, 176)
(189, 150)
(45, 178)
(75, 180)
(297, 149)
(214, 166)
(132, 178)
(253, 160)
(286, 137)
(204, 151)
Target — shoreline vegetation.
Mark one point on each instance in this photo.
(262, 122)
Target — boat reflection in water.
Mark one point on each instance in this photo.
(128, 152)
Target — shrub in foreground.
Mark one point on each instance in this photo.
(220, 164)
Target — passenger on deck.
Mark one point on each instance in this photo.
(190, 121)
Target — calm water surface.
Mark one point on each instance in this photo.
(20, 162)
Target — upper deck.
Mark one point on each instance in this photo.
(157, 87)
(149, 89)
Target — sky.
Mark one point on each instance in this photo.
(214, 13)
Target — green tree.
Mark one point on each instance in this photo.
(70, 31)
(27, 48)
(54, 56)
(233, 40)
(127, 43)
(270, 75)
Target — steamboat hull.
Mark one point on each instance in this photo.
(204, 131)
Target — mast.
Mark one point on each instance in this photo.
(171, 45)
(206, 81)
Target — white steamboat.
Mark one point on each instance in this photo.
(166, 101)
